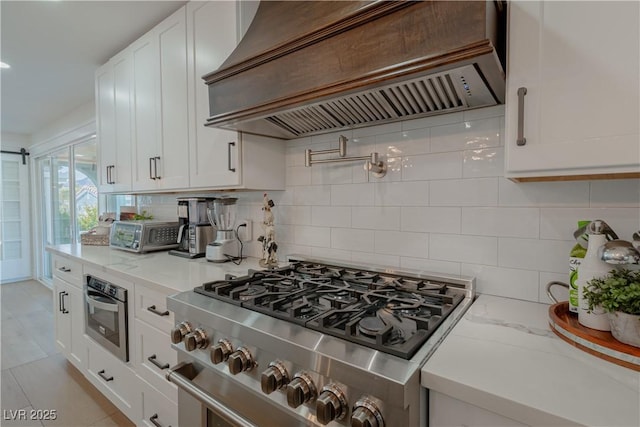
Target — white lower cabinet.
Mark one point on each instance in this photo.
(156, 409)
(117, 381)
(154, 355)
(445, 411)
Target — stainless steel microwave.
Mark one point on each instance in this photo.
(144, 236)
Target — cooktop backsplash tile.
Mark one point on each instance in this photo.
(443, 205)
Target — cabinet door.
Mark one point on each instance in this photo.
(62, 315)
(173, 166)
(145, 114)
(121, 174)
(77, 349)
(213, 153)
(580, 64)
(105, 125)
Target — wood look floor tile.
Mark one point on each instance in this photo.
(12, 395)
(18, 350)
(39, 328)
(22, 418)
(116, 420)
(48, 384)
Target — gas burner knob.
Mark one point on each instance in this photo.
(331, 404)
(300, 390)
(196, 339)
(240, 360)
(180, 331)
(274, 377)
(221, 351)
(366, 413)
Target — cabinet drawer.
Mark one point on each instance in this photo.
(154, 355)
(112, 377)
(151, 306)
(156, 408)
(67, 269)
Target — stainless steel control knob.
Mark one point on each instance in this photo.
(180, 331)
(196, 339)
(366, 413)
(240, 360)
(221, 351)
(331, 404)
(300, 390)
(274, 377)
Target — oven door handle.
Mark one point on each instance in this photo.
(183, 382)
(94, 303)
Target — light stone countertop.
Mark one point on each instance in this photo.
(158, 270)
(503, 357)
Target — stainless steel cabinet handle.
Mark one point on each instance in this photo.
(64, 309)
(151, 160)
(153, 418)
(155, 167)
(522, 91)
(231, 144)
(157, 312)
(176, 376)
(153, 359)
(65, 269)
(104, 377)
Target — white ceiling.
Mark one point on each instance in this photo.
(54, 47)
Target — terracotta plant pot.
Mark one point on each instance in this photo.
(625, 327)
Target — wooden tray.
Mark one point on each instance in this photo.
(598, 343)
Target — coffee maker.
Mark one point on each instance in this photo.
(195, 230)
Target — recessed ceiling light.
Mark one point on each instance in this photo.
(3, 65)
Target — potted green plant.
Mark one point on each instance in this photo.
(619, 294)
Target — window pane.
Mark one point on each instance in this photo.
(86, 189)
(61, 201)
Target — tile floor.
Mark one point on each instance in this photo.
(35, 375)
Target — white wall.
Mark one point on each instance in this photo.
(66, 129)
(14, 141)
(443, 206)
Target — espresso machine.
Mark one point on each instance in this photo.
(223, 216)
(195, 230)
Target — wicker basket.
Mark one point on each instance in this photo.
(93, 239)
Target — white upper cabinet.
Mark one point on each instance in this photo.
(160, 107)
(580, 65)
(113, 113)
(222, 158)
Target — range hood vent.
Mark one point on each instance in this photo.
(360, 63)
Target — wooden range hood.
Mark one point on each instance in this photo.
(312, 67)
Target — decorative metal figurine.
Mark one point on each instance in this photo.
(268, 240)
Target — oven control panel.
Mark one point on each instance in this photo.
(329, 401)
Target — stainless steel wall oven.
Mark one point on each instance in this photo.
(106, 315)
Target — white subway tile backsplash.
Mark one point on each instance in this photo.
(615, 193)
(507, 282)
(559, 292)
(427, 266)
(465, 249)
(405, 143)
(503, 222)
(466, 135)
(295, 215)
(331, 216)
(464, 192)
(544, 194)
(432, 166)
(443, 207)
(400, 243)
(312, 236)
(352, 195)
(533, 254)
(430, 219)
(408, 193)
(311, 195)
(352, 240)
(375, 218)
(482, 163)
(375, 259)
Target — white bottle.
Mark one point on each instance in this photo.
(592, 267)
